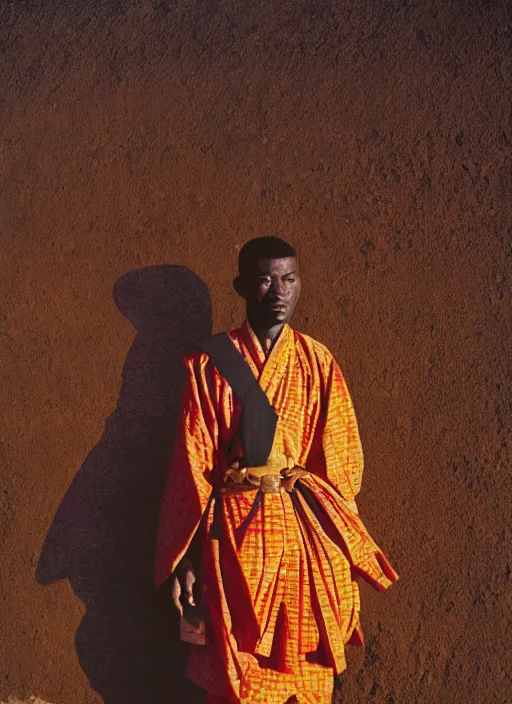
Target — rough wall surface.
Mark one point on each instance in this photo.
(31, 700)
(141, 143)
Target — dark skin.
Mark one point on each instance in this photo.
(271, 291)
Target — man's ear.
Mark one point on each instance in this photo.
(239, 287)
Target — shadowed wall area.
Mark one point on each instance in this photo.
(141, 143)
(103, 536)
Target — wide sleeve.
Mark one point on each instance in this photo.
(187, 489)
(341, 444)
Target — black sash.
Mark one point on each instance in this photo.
(259, 417)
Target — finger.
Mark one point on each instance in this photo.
(190, 579)
(176, 593)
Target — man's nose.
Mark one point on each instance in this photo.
(277, 287)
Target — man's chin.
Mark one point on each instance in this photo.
(277, 318)
(268, 318)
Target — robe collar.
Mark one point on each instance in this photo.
(265, 367)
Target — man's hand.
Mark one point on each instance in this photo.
(183, 593)
(183, 585)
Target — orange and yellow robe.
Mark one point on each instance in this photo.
(277, 569)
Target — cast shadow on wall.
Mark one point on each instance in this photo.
(103, 535)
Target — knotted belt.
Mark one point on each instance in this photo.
(266, 478)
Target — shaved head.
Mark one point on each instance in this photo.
(262, 248)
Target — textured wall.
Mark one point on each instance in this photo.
(140, 144)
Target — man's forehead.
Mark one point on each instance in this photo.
(266, 265)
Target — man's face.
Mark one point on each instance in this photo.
(272, 290)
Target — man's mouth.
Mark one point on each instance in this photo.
(276, 306)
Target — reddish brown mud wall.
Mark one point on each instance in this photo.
(374, 136)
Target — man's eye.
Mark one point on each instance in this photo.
(290, 280)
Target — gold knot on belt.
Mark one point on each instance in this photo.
(267, 479)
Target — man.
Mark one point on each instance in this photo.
(280, 543)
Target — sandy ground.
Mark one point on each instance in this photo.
(141, 143)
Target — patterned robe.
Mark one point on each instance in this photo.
(277, 569)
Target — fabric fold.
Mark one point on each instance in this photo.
(278, 570)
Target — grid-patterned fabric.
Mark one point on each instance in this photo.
(277, 569)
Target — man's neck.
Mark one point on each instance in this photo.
(265, 334)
